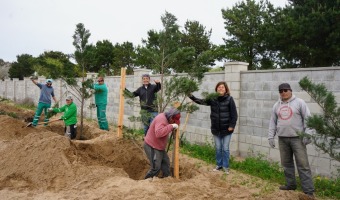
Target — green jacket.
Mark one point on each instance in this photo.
(70, 113)
(100, 95)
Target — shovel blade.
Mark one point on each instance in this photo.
(29, 124)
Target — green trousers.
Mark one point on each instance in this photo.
(101, 116)
(41, 107)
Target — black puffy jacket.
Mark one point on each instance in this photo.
(147, 96)
(223, 113)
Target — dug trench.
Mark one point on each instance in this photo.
(42, 158)
(41, 163)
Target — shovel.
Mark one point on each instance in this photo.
(31, 123)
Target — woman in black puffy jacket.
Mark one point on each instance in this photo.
(223, 121)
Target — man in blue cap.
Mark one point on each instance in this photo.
(46, 92)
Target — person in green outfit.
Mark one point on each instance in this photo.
(69, 117)
(100, 96)
(46, 91)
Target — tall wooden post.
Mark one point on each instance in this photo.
(176, 155)
(121, 102)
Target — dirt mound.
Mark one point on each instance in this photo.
(40, 163)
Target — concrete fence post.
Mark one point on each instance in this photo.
(233, 79)
(6, 88)
(15, 80)
(26, 79)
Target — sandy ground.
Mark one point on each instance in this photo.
(40, 163)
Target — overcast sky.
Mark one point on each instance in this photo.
(32, 27)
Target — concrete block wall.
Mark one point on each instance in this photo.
(259, 92)
(254, 92)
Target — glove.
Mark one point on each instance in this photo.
(271, 142)
(49, 109)
(174, 126)
(306, 140)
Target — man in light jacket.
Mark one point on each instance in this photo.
(288, 119)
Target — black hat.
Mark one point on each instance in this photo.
(285, 86)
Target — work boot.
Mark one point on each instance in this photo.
(285, 187)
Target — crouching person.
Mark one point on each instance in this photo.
(156, 140)
(69, 117)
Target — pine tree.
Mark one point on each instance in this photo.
(327, 124)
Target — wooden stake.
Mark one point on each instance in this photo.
(176, 155)
(121, 102)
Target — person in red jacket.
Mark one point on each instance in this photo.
(156, 140)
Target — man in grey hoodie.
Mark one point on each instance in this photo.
(288, 119)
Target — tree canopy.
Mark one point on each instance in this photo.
(248, 25)
(23, 67)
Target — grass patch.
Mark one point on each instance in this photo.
(135, 134)
(326, 187)
(258, 166)
(262, 168)
(204, 152)
(26, 103)
(11, 114)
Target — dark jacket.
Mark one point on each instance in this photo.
(147, 96)
(223, 113)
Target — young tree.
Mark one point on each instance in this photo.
(80, 42)
(173, 51)
(162, 51)
(327, 124)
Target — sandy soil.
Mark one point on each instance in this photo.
(40, 163)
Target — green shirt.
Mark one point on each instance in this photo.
(70, 113)
(101, 93)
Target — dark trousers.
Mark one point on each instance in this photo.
(71, 131)
(159, 161)
(293, 146)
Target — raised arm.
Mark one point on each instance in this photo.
(198, 101)
(158, 86)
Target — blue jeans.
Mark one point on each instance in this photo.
(293, 146)
(147, 119)
(222, 150)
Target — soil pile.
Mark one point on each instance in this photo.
(40, 163)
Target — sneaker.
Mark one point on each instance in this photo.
(217, 168)
(226, 170)
(285, 187)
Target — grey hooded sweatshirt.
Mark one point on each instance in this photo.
(289, 118)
